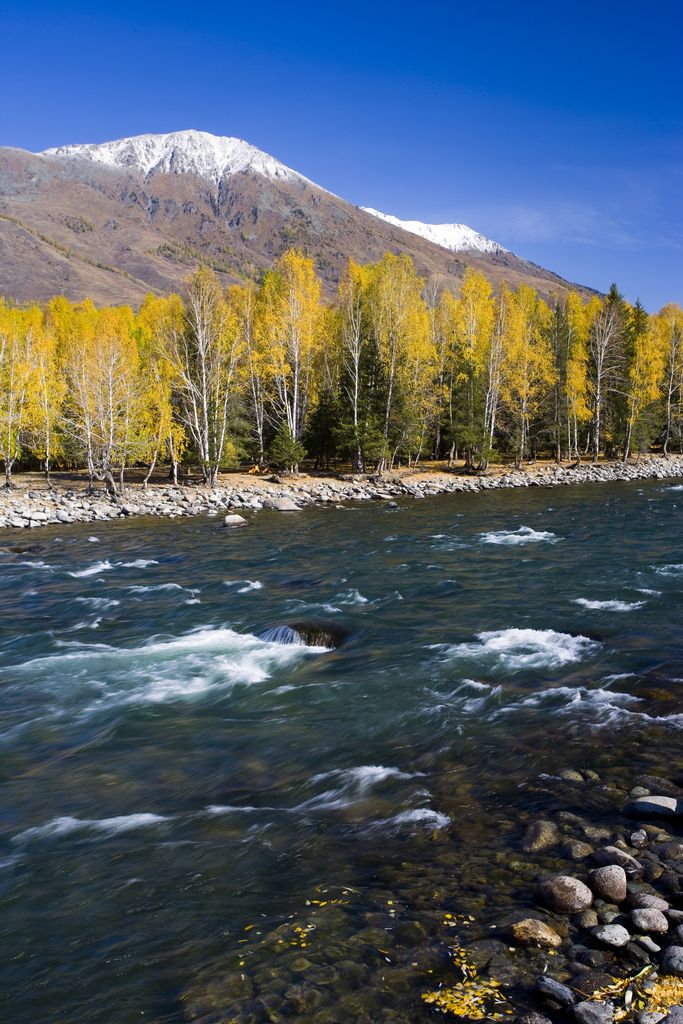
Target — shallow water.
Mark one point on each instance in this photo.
(178, 793)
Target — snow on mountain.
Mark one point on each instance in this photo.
(456, 237)
(210, 156)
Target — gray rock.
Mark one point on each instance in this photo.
(653, 807)
(281, 505)
(649, 919)
(675, 1015)
(130, 510)
(571, 775)
(639, 838)
(564, 894)
(649, 1017)
(674, 917)
(646, 942)
(678, 932)
(540, 835)
(234, 521)
(613, 855)
(672, 960)
(645, 899)
(612, 935)
(593, 1012)
(531, 1018)
(609, 882)
(560, 993)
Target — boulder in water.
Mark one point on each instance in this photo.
(305, 634)
(233, 521)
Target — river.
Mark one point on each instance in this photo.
(200, 825)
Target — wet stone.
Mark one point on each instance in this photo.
(591, 981)
(571, 775)
(647, 920)
(530, 932)
(609, 882)
(639, 838)
(644, 900)
(555, 990)
(593, 1012)
(675, 1015)
(648, 945)
(611, 934)
(653, 807)
(574, 849)
(540, 835)
(586, 919)
(564, 894)
(531, 1018)
(672, 961)
(649, 1017)
(613, 855)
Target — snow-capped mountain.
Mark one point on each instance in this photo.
(118, 220)
(456, 237)
(210, 156)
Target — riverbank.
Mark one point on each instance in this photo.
(27, 507)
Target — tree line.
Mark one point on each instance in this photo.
(394, 371)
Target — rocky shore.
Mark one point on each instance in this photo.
(26, 507)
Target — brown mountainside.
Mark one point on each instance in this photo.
(72, 224)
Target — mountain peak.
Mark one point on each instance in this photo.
(209, 156)
(456, 237)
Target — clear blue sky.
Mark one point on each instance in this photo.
(554, 127)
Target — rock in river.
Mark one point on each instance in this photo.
(540, 835)
(653, 807)
(233, 521)
(563, 894)
(530, 932)
(305, 634)
(609, 883)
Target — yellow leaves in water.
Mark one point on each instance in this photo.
(468, 998)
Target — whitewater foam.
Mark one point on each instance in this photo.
(524, 648)
(248, 585)
(523, 535)
(184, 667)
(609, 606)
(67, 825)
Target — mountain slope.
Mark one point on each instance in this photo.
(117, 220)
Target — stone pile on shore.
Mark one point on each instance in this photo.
(22, 508)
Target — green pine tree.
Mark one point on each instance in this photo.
(285, 450)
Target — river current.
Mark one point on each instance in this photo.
(201, 825)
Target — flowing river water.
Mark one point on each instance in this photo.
(201, 825)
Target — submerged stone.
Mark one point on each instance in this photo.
(540, 835)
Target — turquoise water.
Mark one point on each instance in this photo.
(177, 793)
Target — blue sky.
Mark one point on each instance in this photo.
(554, 128)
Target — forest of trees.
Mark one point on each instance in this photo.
(394, 371)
